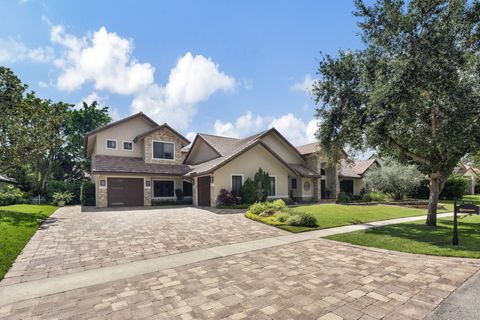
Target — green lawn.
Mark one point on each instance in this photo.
(415, 237)
(335, 215)
(18, 223)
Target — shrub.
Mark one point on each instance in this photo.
(343, 198)
(262, 185)
(225, 197)
(422, 191)
(379, 197)
(282, 216)
(367, 197)
(62, 196)
(394, 178)
(87, 194)
(278, 205)
(257, 208)
(59, 186)
(247, 191)
(179, 194)
(454, 188)
(303, 219)
(10, 195)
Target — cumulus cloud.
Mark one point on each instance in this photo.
(294, 129)
(103, 58)
(243, 126)
(14, 51)
(193, 80)
(303, 86)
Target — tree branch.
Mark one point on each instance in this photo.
(408, 153)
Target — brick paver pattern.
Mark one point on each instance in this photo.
(314, 279)
(73, 241)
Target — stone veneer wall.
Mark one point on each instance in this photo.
(147, 193)
(101, 192)
(165, 135)
(213, 196)
(313, 162)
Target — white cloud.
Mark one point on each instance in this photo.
(193, 80)
(294, 129)
(243, 126)
(303, 86)
(103, 58)
(42, 84)
(101, 102)
(14, 51)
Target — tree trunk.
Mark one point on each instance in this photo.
(436, 185)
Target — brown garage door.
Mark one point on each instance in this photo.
(204, 191)
(123, 192)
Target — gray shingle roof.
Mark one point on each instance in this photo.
(115, 164)
(308, 148)
(355, 169)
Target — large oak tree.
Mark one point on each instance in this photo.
(413, 92)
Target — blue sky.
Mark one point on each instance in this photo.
(223, 67)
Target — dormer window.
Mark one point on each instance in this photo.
(111, 144)
(128, 145)
(163, 150)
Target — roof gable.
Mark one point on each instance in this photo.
(196, 146)
(356, 169)
(157, 128)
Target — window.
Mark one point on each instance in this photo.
(187, 189)
(128, 145)
(237, 182)
(322, 172)
(163, 150)
(294, 183)
(162, 189)
(111, 144)
(273, 191)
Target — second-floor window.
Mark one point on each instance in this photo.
(111, 144)
(163, 150)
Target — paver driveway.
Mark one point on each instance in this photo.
(311, 279)
(74, 241)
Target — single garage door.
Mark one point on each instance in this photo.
(204, 191)
(125, 192)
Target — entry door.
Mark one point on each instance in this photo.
(125, 192)
(204, 191)
(323, 186)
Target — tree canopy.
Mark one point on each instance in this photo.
(413, 92)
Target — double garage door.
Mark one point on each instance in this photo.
(125, 192)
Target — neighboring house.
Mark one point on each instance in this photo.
(136, 161)
(351, 174)
(473, 176)
(4, 180)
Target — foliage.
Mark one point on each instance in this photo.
(59, 186)
(225, 197)
(375, 197)
(87, 194)
(302, 219)
(179, 194)
(268, 207)
(282, 216)
(278, 205)
(10, 195)
(342, 197)
(454, 187)
(62, 196)
(248, 191)
(394, 178)
(234, 206)
(422, 191)
(262, 184)
(412, 92)
(257, 207)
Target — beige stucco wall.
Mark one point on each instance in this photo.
(126, 131)
(282, 149)
(164, 135)
(201, 152)
(247, 165)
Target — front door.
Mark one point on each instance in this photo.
(204, 191)
(323, 186)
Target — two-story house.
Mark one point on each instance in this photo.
(136, 161)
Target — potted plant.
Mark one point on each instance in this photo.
(62, 198)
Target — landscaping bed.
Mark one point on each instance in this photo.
(336, 215)
(18, 223)
(416, 237)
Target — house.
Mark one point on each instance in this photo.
(136, 161)
(473, 176)
(4, 180)
(351, 174)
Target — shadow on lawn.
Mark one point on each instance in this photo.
(439, 236)
(25, 219)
